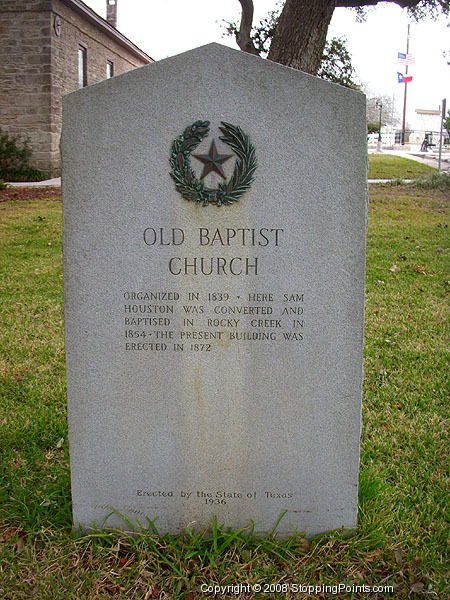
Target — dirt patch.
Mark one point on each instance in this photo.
(29, 193)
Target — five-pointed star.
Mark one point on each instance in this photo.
(213, 161)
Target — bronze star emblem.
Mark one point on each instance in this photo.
(213, 161)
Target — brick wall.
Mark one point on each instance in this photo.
(25, 78)
(38, 67)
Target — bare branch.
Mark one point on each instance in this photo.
(243, 39)
(357, 3)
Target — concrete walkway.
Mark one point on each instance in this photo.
(56, 182)
(389, 180)
(426, 158)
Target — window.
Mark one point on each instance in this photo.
(109, 69)
(82, 66)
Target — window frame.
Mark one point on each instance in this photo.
(109, 64)
(82, 74)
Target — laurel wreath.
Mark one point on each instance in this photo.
(187, 183)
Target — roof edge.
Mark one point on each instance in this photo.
(107, 28)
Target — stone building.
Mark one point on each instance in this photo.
(50, 48)
(428, 120)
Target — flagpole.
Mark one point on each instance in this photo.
(443, 111)
(392, 137)
(406, 83)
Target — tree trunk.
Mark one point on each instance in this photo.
(301, 34)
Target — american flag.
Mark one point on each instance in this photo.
(406, 59)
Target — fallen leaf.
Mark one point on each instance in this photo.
(419, 269)
(303, 544)
(415, 562)
(397, 406)
(21, 541)
(122, 561)
(417, 587)
(60, 443)
(398, 553)
(394, 269)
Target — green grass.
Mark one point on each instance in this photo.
(435, 181)
(403, 535)
(383, 166)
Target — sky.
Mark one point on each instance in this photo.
(164, 28)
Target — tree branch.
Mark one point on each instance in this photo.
(358, 3)
(243, 39)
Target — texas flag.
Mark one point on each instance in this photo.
(404, 78)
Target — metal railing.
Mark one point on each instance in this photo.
(412, 137)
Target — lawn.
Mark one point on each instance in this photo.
(402, 538)
(382, 166)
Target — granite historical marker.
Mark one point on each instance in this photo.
(214, 250)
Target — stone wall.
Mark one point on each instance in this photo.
(76, 30)
(38, 67)
(25, 5)
(25, 74)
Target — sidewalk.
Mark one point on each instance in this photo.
(389, 180)
(56, 182)
(426, 158)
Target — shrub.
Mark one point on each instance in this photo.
(15, 160)
(435, 181)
